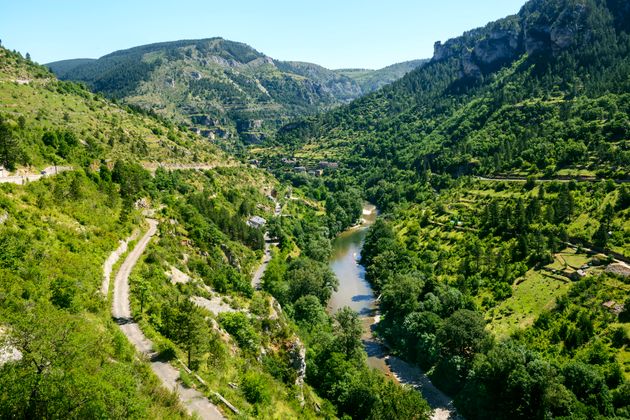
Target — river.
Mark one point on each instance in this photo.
(354, 291)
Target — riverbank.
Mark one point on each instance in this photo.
(355, 291)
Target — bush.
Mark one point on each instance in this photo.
(255, 388)
(186, 379)
(166, 349)
(239, 327)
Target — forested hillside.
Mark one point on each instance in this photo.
(45, 121)
(544, 92)
(64, 353)
(226, 90)
(500, 168)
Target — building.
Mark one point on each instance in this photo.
(574, 275)
(299, 169)
(256, 222)
(328, 165)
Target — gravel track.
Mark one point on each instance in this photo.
(195, 402)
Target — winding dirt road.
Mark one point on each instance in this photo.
(260, 271)
(195, 402)
(23, 178)
(113, 258)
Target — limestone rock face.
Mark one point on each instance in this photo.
(502, 45)
(469, 66)
(565, 30)
(440, 52)
(297, 354)
(535, 30)
(537, 39)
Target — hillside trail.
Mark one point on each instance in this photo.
(113, 258)
(260, 271)
(21, 177)
(195, 402)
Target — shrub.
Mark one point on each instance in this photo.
(255, 388)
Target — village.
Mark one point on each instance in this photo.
(294, 165)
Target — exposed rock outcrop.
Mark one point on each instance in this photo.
(297, 355)
(533, 31)
(500, 46)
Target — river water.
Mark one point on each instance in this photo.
(354, 291)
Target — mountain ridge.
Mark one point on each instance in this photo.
(447, 115)
(221, 88)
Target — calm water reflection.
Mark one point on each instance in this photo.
(354, 291)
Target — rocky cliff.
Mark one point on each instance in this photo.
(538, 29)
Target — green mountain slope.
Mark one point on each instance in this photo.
(191, 293)
(224, 89)
(62, 68)
(544, 92)
(371, 80)
(511, 293)
(49, 121)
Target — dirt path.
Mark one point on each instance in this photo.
(24, 177)
(379, 357)
(260, 271)
(112, 260)
(192, 399)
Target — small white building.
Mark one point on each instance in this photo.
(256, 222)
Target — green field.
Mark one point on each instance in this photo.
(536, 293)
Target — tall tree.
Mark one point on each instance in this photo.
(9, 147)
(348, 331)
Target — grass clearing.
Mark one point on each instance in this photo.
(530, 298)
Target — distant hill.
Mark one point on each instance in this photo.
(371, 80)
(61, 68)
(224, 89)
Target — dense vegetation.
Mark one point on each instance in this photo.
(225, 88)
(497, 100)
(503, 291)
(75, 363)
(476, 288)
(44, 121)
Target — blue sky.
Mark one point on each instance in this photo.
(332, 33)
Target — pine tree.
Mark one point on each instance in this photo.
(9, 147)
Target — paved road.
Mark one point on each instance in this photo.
(151, 167)
(192, 399)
